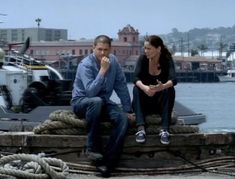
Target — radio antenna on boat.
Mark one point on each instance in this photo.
(25, 46)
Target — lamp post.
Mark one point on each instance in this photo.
(38, 20)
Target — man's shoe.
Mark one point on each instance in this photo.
(93, 156)
(140, 136)
(104, 171)
(164, 137)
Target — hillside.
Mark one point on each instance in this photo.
(221, 38)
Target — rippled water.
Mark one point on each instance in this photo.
(215, 100)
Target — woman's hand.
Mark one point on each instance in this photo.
(159, 87)
(149, 90)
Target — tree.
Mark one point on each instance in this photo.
(202, 48)
(222, 47)
(175, 31)
(194, 52)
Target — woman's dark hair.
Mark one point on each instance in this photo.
(103, 39)
(156, 41)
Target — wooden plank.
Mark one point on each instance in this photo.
(70, 148)
(34, 140)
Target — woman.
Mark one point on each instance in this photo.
(153, 91)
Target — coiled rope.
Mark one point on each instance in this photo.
(38, 167)
(61, 122)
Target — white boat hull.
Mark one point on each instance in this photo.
(226, 79)
(230, 77)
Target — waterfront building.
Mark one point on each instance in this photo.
(126, 45)
(198, 63)
(35, 34)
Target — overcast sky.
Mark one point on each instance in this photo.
(88, 18)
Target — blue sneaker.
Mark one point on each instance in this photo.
(140, 136)
(164, 137)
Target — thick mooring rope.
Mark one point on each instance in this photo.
(29, 166)
(61, 122)
(65, 122)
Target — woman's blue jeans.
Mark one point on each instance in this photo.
(161, 103)
(95, 110)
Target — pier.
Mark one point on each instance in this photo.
(186, 153)
(190, 150)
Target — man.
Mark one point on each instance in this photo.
(98, 75)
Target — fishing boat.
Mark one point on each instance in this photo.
(27, 83)
(229, 77)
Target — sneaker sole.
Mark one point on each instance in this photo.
(165, 143)
(140, 141)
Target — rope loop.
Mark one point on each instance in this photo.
(17, 165)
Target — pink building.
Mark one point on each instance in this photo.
(125, 46)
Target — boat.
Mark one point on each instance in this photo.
(27, 83)
(229, 77)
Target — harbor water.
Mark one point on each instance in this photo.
(215, 100)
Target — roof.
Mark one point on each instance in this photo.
(195, 59)
(128, 29)
(75, 43)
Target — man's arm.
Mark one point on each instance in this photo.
(122, 90)
(92, 84)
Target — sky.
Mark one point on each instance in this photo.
(89, 18)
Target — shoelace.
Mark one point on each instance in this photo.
(163, 133)
(140, 132)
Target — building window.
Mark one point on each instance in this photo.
(48, 35)
(57, 35)
(80, 52)
(3, 35)
(14, 35)
(73, 52)
(133, 39)
(86, 51)
(125, 39)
